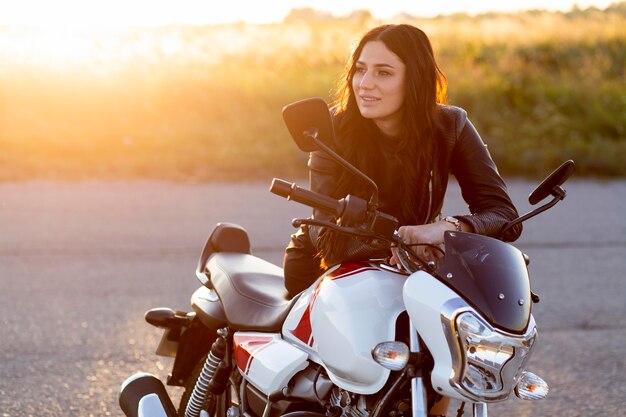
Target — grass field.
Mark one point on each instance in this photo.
(204, 103)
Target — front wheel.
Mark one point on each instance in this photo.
(215, 405)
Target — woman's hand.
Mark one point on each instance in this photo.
(431, 233)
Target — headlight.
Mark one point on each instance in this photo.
(490, 359)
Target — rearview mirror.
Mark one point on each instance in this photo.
(311, 126)
(549, 186)
(558, 177)
(309, 118)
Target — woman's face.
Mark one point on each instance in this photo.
(378, 85)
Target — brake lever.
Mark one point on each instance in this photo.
(405, 253)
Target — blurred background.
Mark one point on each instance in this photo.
(193, 91)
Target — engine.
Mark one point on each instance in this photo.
(351, 405)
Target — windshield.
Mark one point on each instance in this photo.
(491, 276)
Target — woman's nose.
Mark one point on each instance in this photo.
(366, 81)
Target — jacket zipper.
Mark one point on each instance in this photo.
(430, 197)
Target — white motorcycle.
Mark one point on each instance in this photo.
(366, 339)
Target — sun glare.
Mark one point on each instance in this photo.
(66, 34)
(184, 89)
(98, 33)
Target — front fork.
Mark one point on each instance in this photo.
(480, 410)
(419, 401)
(418, 390)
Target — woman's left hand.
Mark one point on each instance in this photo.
(431, 233)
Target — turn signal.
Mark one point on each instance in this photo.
(531, 387)
(391, 355)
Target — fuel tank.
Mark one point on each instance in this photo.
(341, 317)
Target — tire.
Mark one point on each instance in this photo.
(217, 405)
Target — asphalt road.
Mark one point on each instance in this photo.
(81, 262)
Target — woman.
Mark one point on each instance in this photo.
(392, 124)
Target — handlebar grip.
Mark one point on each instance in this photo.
(309, 198)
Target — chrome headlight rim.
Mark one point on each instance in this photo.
(513, 367)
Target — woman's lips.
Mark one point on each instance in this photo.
(369, 99)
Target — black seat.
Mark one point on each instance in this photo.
(251, 289)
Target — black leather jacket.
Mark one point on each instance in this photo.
(466, 157)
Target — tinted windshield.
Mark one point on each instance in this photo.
(492, 277)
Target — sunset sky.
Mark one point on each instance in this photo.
(103, 13)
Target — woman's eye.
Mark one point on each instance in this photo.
(360, 70)
(384, 73)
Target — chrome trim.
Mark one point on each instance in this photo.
(419, 403)
(480, 410)
(449, 313)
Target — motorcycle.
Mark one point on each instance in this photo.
(367, 339)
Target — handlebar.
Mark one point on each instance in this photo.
(291, 191)
(355, 218)
(351, 212)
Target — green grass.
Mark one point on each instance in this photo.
(204, 103)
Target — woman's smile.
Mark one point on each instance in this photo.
(369, 100)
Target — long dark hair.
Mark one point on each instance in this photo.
(418, 146)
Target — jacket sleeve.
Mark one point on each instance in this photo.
(301, 263)
(323, 174)
(481, 186)
(322, 177)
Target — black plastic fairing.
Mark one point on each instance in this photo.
(491, 276)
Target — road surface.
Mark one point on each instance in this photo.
(81, 262)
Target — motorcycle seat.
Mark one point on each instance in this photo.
(251, 289)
